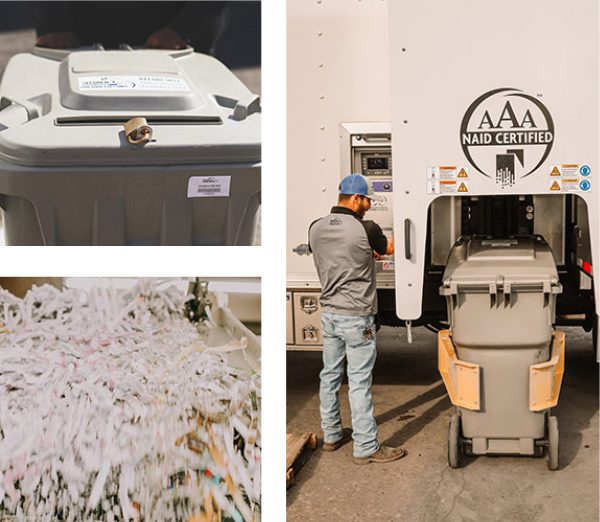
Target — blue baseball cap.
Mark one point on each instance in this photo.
(356, 184)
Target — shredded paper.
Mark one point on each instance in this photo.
(113, 408)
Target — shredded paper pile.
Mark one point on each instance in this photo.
(112, 408)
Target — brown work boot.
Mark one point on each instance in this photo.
(332, 446)
(382, 455)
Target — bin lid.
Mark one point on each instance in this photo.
(480, 263)
(61, 108)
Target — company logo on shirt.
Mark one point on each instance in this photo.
(335, 221)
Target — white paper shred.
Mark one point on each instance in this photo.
(113, 408)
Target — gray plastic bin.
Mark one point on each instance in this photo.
(501, 297)
(69, 175)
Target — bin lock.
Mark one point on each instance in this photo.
(461, 378)
(545, 379)
(138, 131)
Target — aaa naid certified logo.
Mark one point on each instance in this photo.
(506, 135)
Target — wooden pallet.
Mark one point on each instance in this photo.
(298, 447)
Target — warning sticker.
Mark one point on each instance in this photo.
(570, 177)
(387, 265)
(447, 186)
(570, 184)
(555, 185)
(133, 83)
(208, 187)
(447, 172)
(447, 179)
(570, 171)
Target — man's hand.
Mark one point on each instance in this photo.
(165, 38)
(390, 246)
(64, 40)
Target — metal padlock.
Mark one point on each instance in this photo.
(138, 131)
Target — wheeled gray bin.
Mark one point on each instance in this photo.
(501, 361)
(127, 147)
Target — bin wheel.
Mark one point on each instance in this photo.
(455, 450)
(552, 449)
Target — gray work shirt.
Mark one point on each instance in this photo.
(342, 245)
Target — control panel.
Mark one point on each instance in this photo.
(370, 154)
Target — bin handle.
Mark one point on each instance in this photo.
(245, 107)
(33, 111)
(407, 252)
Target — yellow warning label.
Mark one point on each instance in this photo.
(462, 174)
(462, 188)
(555, 186)
(555, 172)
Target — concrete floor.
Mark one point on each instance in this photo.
(412, 410)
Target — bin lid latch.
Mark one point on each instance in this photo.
(137, 131)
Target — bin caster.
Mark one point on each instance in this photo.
(455, 446)
(552, 449)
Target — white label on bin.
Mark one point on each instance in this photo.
(135, 83)
(208, 187)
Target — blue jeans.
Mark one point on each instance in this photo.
(351, 338)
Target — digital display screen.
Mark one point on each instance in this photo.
(377, 163)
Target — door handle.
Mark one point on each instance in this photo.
(407, 252)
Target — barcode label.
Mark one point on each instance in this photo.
(208, 187)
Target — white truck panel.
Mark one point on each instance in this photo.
(447, 55)
(337, 71)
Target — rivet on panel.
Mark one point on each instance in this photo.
(320, 33)
(323, 158)
(322, 97)
(322, 127)
(320, 64)
(404, 121)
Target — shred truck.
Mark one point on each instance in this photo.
(477, 125)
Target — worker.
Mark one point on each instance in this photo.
(156, 25)
(343, 245)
